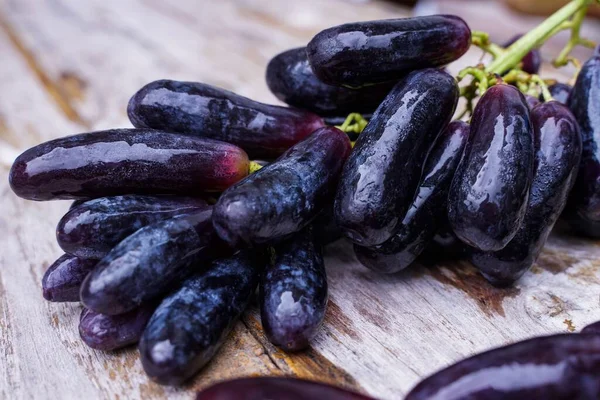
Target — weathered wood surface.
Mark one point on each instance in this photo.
(70, 66)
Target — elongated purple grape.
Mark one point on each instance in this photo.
(532, 61)
(559, 367)
(592, 328)
(382, 174)
(560, 92)
(149, 262)
(202, 110)
(293, 293)
(488, 197)
(263, 388)
(190, 325)
(558, 153)
(428, 209)
(292, 81)
(123, 161)
(93, 228)
(286, 195)
(362, 53)
(584, 204)
(112, 332)
(62, 280)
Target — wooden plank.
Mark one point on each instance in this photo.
(71, 66)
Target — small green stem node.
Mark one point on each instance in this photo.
(253, 167)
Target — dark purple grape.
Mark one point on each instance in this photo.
(270, 388)
(62, 280)
(428, 208)
(202, 110)
(382, 173)
(531, 101)
(362, 53)
(190, 325)
(592, 328)
(123, 161)
(488, 196)
(112, 332)
(93, 228)
(149, 262)
(286, 195)
(532, 61)
(584, 204)
(559, 367)
(293, 292)
(558, 152)
(560, 92)
(292, 81)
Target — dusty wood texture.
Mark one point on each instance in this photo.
(70, 66)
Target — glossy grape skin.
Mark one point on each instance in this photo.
(362, 53)
(125, 161)
(190, 325)
(532, 61)
(63, 278)
(93, 228)
(112, 332)
(149, 262)
(292, 81)
(382, 173)
(198, 109)
(293, 292)
(286, 195)
(559, 367)
(428, 208)
(560, 92)
(558, 153)
(592, 328)
(267, 388)
(583, 209)
(488, 196)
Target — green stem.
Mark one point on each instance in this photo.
(575, 40)
(482, 40)
(535, 37)
(478, 75)
(253, 167)
(545, 91)
(354, 123)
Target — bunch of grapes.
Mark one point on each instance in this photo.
(174, 227)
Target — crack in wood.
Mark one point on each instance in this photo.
(307, 364)
(56, 92)
(265, 350)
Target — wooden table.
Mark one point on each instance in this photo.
(70, 66)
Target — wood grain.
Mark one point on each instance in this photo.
(70, 66)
